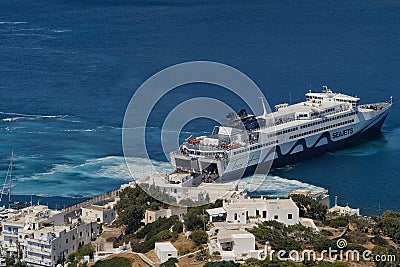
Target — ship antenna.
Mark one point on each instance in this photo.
(264, 107)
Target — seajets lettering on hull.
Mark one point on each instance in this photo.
(342, 133)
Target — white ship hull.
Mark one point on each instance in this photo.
(325, 122)
(307, 147)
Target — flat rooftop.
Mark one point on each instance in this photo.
(227, 235)
(165, 246)
(245, 202)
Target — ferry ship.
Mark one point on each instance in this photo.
(246, 144)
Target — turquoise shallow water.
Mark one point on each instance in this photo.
(69, 68)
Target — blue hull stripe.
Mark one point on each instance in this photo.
(288, 158)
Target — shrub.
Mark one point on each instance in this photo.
(152, 229)
(169, 263)
(389, 223)
(222, 264)
(379, 241)
(116, 261)
(337, 223)
(326, 232)
(183, 251)
(163, 235)
(357, 237)
(75, 257)
(178, 227)
(201, 255)
(145, 246)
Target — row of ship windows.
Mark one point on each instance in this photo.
(283, 132)
(322, 129)
(311, 124)
(328, 119)
(256, 147)
(324, 112)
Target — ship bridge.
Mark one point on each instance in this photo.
(328, 95)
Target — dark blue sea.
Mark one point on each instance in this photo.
(69, 68)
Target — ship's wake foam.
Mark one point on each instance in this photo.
(273, 185)
(96, 176)
(89, 178)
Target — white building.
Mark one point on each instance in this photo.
(172, 186)
(344, 210)
(42, 236)
(165, 250)
(153, 215)
(52, 245)
(320, 196)
(236, 244)
(98, 214)
(21, 223)
(245, 210)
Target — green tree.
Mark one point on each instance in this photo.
(11, 261)
(131, 207)
(199, 237)
(389, 224)
(310, 208)
(154, 232)
(194, 219)
(86, 250)
(178, 227)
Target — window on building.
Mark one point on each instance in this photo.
(235, 216)
(275, 217)
(169, 255)
(290, 216)
(264, 214)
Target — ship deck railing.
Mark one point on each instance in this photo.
(375, 106)
(208, 148)
(289, 120)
